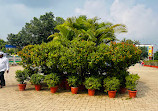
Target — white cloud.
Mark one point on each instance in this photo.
(93, 8)
(12, 17)
(141, 21)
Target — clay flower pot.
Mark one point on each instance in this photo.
(132, 94)
(123, 90)
(112, 94)
(22, 87)
(91, 92)
(53, 89)
(74, 90)
(38, 87)
(129, 91)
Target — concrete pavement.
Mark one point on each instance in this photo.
(30, 100)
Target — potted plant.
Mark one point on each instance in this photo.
(74, 82)
(52, 81)
(111, 86)
(36, 79)
(92, 83)
(21, 76)
(131, 82)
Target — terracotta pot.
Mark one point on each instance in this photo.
(132, 94)
(38, 87)
(74, 90)
(22, 87)
(91, 92)
(53, 89)
(122, 90)
(129, 91)
(112, 94)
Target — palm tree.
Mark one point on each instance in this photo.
(89, 30)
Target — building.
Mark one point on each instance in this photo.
(150, 50)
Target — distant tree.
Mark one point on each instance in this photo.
(129, 41)
(156, 55)
(37, 31)
(2, 44)
(59, 20)
(144, 53)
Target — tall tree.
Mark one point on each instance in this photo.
(2, 44)
(37, 31)
(144, 53)
(156, 55)
(129, 41)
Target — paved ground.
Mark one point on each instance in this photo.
(30, 100)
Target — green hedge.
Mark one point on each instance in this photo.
(151, 62)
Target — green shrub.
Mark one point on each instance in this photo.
(21, 76)
(36, 79)
(92, 83)
(111, 84)
(151, 62)
(132, 81)
(52, 80)
(74, 81)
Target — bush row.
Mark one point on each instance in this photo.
(151, 62)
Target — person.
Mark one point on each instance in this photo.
(4, 66)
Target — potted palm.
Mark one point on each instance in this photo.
(131, 83)
(21, 76)
(111, 86)
(92, 83)
(36, 79)
(52, 81)
(74, 82)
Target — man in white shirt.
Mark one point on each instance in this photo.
(4, 66)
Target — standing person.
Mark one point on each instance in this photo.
(4, 66)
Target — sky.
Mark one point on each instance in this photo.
(140, 16)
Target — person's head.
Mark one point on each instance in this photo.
(1, 54)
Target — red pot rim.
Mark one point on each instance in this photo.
(54, 87)
(112, 91)
(92, 89)
(133, 91)
(74, 87)
(21, 84)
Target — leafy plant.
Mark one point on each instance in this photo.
(36, 79)
(132, 81)
(122, 78)
(52, 80)
(21, 76)
(74, 81)
(92, 83)
(111, 84)
(151, 62)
